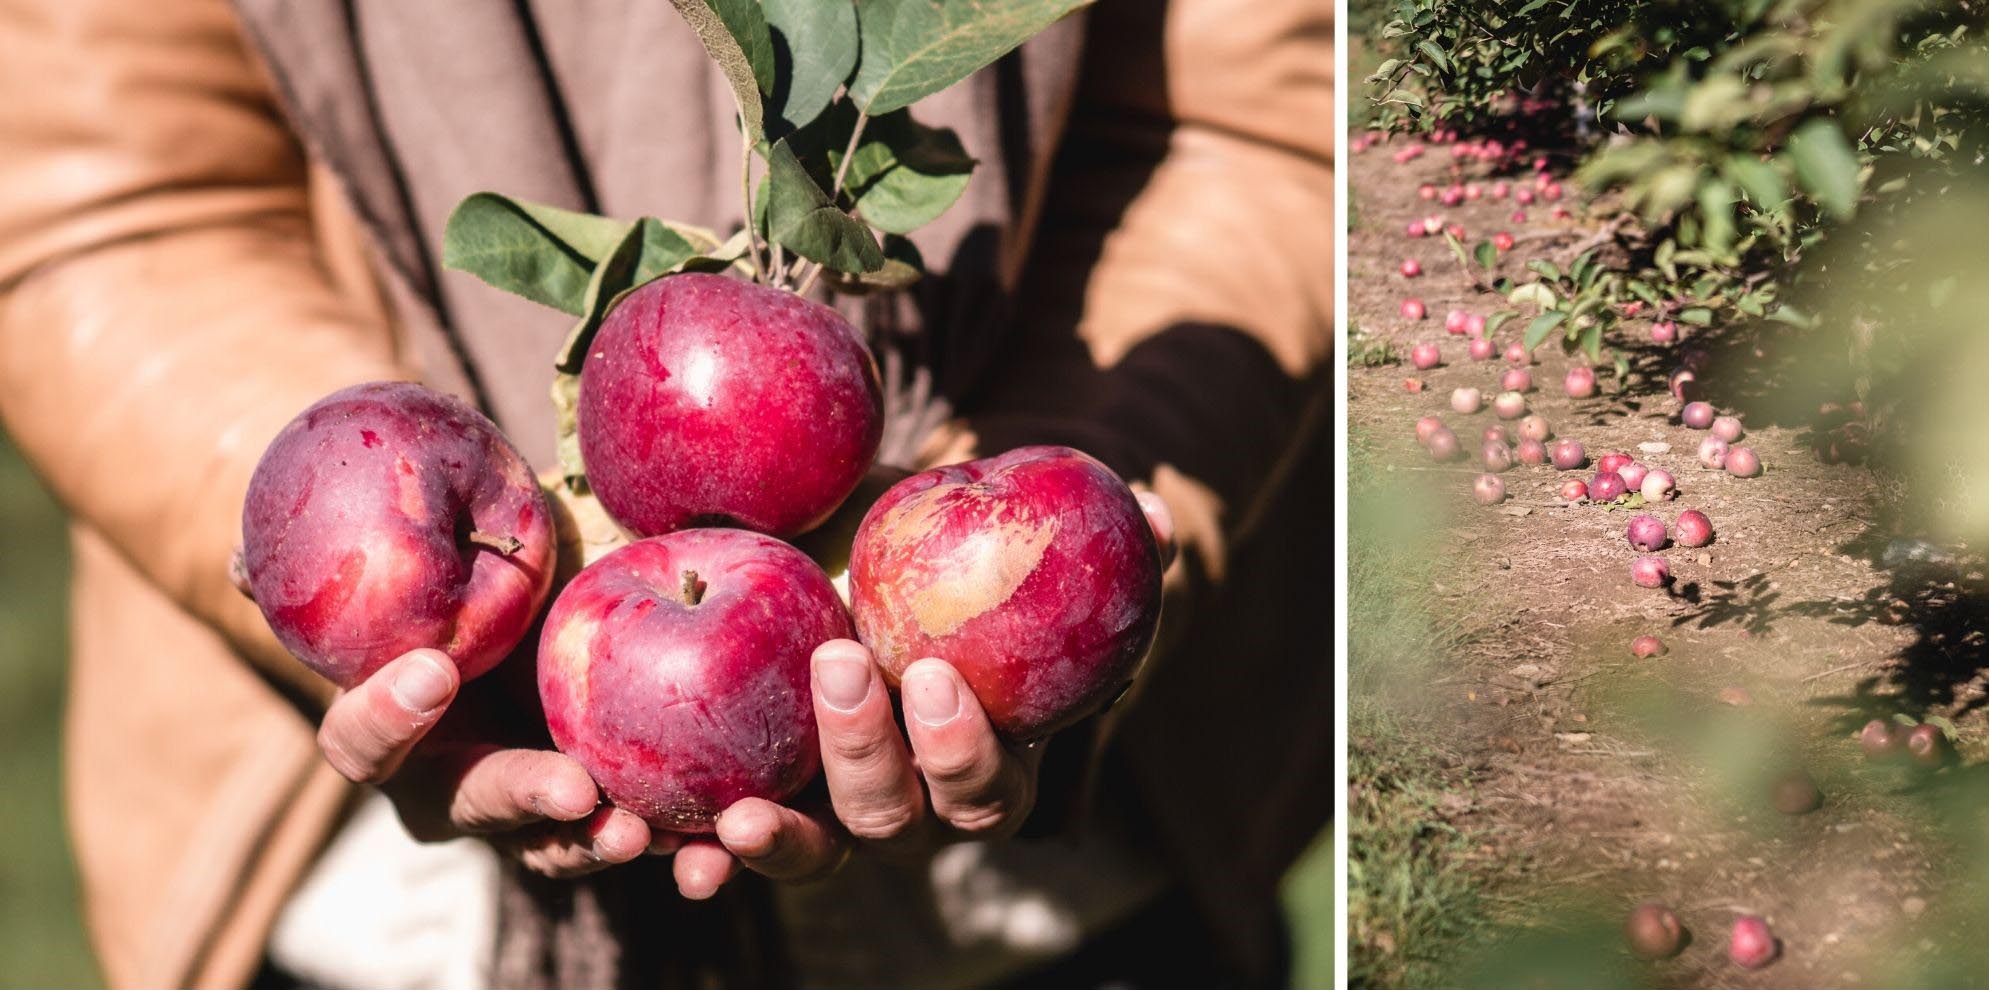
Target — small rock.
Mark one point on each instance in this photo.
(1913, 906)
(1655, 447)
(1517, 510)
(1735, 696)
(1703, 558)
(1532, 673)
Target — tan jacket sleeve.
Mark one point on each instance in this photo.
(1190, 227)
(165, 305)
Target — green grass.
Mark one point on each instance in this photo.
(1412, 900)
(41, 932)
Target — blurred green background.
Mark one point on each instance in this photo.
(41, 931)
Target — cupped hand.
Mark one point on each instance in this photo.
(536, 805)
(945, 776)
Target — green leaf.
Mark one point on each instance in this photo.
(914, 48)
(541, 252)
(901, 269)
(801, 218)
(1759, 179)
(1698, 316)
(815, 48)
(1826, 166)
(1497, 320)
(1541, 326)
(1432, 51)
(1486, 254)
(734, 33)
(1457, 248)
(1592, 343)
(1537, 293)
(905, 174)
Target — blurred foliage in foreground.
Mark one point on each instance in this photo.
(41, 935)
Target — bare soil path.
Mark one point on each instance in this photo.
(1592, 770)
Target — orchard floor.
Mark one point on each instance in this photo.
(1581, 780)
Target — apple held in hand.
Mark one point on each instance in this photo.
(706, 399)
(389, 517)
(675, 670)
(1034, 573)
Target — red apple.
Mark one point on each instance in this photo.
(676, 671)
(1034, 573)
(1579, 382)
(386, 518)
(707, 398)
(1753, 945)
(1653, 931)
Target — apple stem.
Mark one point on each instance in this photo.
(506, 545)
(693, 591)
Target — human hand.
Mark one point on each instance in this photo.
(406, 730)
(945, 776)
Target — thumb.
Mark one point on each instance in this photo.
(1161, 519)
(368, 730)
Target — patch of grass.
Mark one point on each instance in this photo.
(1368, 352)
(41, 931)
(1412, 900)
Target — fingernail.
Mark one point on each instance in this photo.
(571, 798)
(844, 682)
(422, 685)
(933, 695)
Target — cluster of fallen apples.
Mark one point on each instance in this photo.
(1652, 930)
(718, 419)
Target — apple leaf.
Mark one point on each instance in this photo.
(914, 48)
(1541, 326)
(1826, 165)
(540, 252)
(814, 47)
(905, 174)
(1536, 293)
(902, 267)
(734, 33)
(800, 217)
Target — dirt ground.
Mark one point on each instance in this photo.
(1590, 769)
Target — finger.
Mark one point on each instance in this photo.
(1161, 519)
(976, 785)
(780, 842)
(367, 731)
(571, 849)
(701, 867)
(872, 786)
(503, 789)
